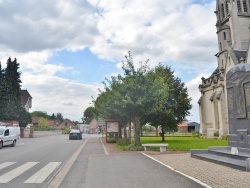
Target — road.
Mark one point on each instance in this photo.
(19, 165)
(56, 161)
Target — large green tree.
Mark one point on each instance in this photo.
(89, 114)
(174, 105)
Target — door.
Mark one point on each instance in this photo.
(7, 137)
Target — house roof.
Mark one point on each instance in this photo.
(24, 96)
(183, 124)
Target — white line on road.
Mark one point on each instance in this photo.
(16, 172)
(42, 174)
(6, 164)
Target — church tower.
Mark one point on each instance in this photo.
(233, 32)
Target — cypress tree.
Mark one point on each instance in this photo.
(2, 95)
(12, 87)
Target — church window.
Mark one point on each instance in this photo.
(220, 46)
(245, 5)
(239, 6)
(222, 11)
(224, 35)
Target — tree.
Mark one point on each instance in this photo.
(89, 114)
(174, 106)
(39, 114)
(2, 92)
(43, 122)
(53, 116)
(11, 91)
(24, 118)
(59, 117)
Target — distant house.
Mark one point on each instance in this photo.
(93, 125)
(51, 122)
(67, 124)
(26, 100)
(185, 127)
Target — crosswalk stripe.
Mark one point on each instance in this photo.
(42, 174)
(16, 172)
(6, 164)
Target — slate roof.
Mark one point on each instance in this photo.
(24, 96)
(240, 54)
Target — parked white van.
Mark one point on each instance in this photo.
(9, 136)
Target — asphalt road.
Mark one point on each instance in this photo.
(34, 161)
(40, 162)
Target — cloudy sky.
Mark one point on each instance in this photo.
(66, 48)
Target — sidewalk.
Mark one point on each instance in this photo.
(214, 175)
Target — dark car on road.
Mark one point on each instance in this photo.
(75, 134)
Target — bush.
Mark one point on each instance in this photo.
(122, 142)
(216, 134)
(132, 147)
(66, 131)
(111, 140)
(224, 137)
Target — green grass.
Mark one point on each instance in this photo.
(185, 143)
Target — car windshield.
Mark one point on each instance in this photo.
(1, 131)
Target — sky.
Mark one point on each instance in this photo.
(66, 49)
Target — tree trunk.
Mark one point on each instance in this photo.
(141, 132)
(125, 132)
(162, 134)
(137, 133)
(129, 131)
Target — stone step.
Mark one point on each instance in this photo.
(227, 153)
(226, 161)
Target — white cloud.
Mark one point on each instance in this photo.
(179, 32)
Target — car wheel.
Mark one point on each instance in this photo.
(1, 145)
(13, 144)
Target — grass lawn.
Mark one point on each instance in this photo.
(185, 143)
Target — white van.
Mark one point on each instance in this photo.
(9, 136)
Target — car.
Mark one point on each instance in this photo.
(90, 132)
(9, 135)
(75, 134)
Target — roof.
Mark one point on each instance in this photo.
(24, 96)
(240, 54)
(183, 124)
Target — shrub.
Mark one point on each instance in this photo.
(194, 134)
(132, 147)
(122, 142)
(216, 134)
(224, 137)
(66, 131)
(111, 140)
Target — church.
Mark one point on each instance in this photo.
(233, 32)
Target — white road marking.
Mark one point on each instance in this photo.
(16, 172)
(42, 174)
(6, 164)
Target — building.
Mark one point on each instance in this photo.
(26, 100)
(233, 21)
(185, 127)
(67, 124)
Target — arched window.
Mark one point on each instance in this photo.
(225, 35)
(222, 11)
(220, 46)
